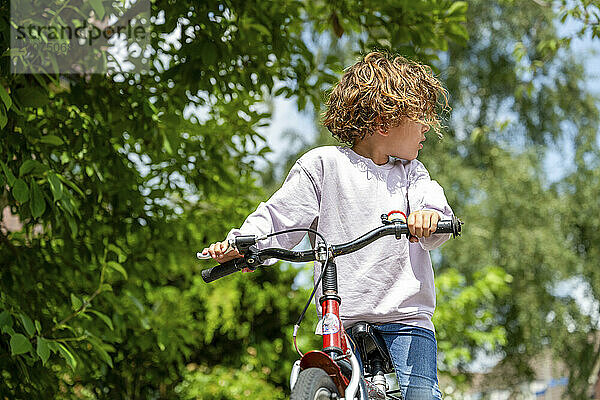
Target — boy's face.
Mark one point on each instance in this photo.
(405, 139)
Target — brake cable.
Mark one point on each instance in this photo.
(316, 285)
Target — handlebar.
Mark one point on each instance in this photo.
(395, 227)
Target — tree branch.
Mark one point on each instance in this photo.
(85, 304)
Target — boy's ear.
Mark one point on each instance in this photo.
(380, 129)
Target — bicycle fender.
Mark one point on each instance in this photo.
(319, 359)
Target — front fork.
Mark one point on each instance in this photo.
(354, 390)
(355, 381)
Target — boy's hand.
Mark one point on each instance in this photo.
(221, 252)
(422, 223)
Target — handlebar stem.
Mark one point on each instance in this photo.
(321, 253)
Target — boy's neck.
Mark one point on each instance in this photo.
(371, 147)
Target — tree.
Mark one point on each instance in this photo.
(116, 188)
(514, 93)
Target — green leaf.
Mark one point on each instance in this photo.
(27, 167)
(104, 355)
(260, 28)
(6, 321)
(72, 224)
(71, 185)
(51, 139)
(136, 302)
(32, 96)
(99, 347)
(167, 144)
(106, 287)
(43, 349)
(19, 344)
(459, 32)
(117, 267)
(457, 8)
(118, 251)
(66, 203)
(104, 318)
(76, 302)
(10, 178)
(53, 346)
(38, 326)
(67, 355)
(98, 8)
(56, 186)
(28, 324)
(281, 90)
(5, 98)
(20, 191)
(38, 203)
(3, 117)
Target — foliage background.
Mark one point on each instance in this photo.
(118, 181)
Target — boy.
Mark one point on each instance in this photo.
(382, 108)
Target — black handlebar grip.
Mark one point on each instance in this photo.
(452, 226)
(221, 270)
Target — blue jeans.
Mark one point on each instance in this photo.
(414, 354)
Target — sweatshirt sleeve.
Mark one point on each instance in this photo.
(294, 205)
(427, 194)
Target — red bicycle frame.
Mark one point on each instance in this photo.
(332, 330)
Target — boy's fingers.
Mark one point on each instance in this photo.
(422, 223)
(411, 223)
(219, 251)
(215, 250)
(224, 246)
(211, 250)
(434, 221)
(413, 239)
(426, 225)
(418, 225)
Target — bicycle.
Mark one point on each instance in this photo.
(333, 370)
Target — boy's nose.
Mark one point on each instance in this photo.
(425, 128)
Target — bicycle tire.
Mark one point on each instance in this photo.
(314, 384)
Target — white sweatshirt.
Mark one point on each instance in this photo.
(342, 195)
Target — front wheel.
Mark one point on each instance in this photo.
(314, 384)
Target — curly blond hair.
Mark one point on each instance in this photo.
(380, 91)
